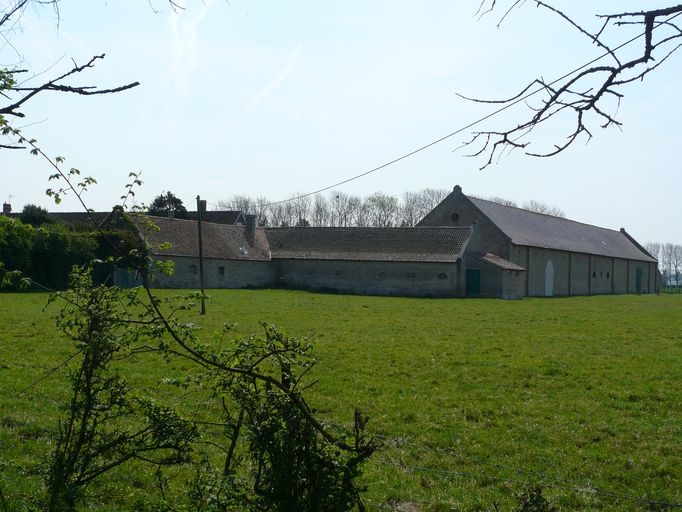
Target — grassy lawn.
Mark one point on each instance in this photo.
(470, 399)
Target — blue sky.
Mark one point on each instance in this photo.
(278, 98)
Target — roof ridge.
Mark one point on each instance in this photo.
(242, 226)
(368, 227)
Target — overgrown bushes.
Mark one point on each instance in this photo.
(256, 446)
(47, 254)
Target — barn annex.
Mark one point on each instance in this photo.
(376, 261)
(464, 247)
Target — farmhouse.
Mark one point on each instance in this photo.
(464, 247)
(235, 255)
(558, 256)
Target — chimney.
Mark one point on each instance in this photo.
(6, 209)
(250, 228)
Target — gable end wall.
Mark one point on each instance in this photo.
(487, 236)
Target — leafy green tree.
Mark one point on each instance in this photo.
(168, 205)
(34, 215)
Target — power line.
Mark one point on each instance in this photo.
(468, 126)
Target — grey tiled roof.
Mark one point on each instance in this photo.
(494, 259)
(424, 244)
(219, 216)
(221, 241)
(539, 230)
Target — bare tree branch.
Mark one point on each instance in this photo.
(54, 85)
(16, 95)
(584, 92)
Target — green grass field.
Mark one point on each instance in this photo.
(470, 399)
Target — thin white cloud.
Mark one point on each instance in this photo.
(255, 100)
(303, 111)
(183, 28)
(278, 81)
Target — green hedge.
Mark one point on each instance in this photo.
(46, 255)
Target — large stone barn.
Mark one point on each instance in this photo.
(553, 255)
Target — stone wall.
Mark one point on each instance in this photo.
(513, 284)
(620, 276)
(582, 274)
(372, 277)
(217, 274)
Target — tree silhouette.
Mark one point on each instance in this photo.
(35, 215)
(168, 205)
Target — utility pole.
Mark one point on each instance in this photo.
(201, 207)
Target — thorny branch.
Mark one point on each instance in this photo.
(583, 93)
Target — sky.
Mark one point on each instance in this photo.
(279, 98)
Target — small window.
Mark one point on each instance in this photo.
(193, 269)
(382, 275)
(594, 274)
(454, 217)
(608, 274)
(601, 274)
(221, 271)
(442, 275)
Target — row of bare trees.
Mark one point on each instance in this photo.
(669, 258)
(339, 209)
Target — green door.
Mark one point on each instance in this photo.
(473, 282)
(638, 280)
